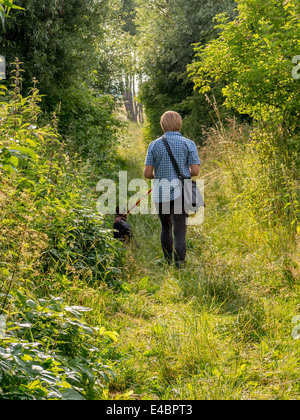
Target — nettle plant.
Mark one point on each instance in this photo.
(19, 136)
(5, 8)
(49, 352)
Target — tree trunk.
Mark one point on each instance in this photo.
(134, 110)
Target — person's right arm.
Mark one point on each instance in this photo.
(195, 170)
(149, 172)
(194, 160)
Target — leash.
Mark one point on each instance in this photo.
(133, 207)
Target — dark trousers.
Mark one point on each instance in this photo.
(173, 222)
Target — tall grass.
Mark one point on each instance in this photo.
(221, 327)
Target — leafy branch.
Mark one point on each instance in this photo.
(5, 8)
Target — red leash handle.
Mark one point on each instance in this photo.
(133, 207)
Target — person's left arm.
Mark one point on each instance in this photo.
(194, 160)
(195, 170)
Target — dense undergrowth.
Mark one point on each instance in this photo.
(53, 245)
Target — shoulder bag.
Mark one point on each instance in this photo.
(192, 197)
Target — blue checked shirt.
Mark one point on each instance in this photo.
(166, 185)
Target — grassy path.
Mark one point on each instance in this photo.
(218, 329)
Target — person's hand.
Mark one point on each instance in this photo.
(149, 172)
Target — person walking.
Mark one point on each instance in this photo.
(167, 190)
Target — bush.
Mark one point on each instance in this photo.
(89, 125)
(55, 192)
(253, 57)
(48, 225)
(50, 353)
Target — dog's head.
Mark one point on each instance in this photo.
(122, 215)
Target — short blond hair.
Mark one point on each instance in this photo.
(171, 121)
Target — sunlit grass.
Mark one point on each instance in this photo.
(218, 329)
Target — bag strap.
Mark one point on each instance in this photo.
(174, 162)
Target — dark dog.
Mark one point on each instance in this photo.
(122, 229)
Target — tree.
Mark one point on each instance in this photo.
(66, 46)
(253, 56)
(166, 31)
(57, 41)
(130, 78)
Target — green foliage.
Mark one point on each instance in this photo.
(166, 32)
(8, 5)
(128, 15)
(81, 245)
(90, 125)
(253, 55)
(18, 134)
(50, 37)
(65, 45)
(50, 238)
(5, 8)
(49, 352)
(220, 328)
(76, 234)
